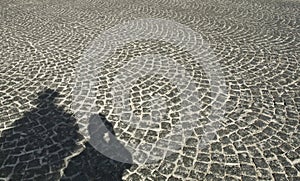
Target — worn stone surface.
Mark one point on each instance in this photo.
(256, 43)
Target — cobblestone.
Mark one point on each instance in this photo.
(255, 43)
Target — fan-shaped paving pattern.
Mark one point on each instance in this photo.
(255, 42)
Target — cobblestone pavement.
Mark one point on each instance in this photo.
(255, 44)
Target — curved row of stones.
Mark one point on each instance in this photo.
(257, 47)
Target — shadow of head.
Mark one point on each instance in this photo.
(46, 96)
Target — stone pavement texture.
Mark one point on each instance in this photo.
(256, 47)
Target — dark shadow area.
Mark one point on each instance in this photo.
(36, 147)
(91, 164)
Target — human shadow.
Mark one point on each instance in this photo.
(40, 144)
(35, 146)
